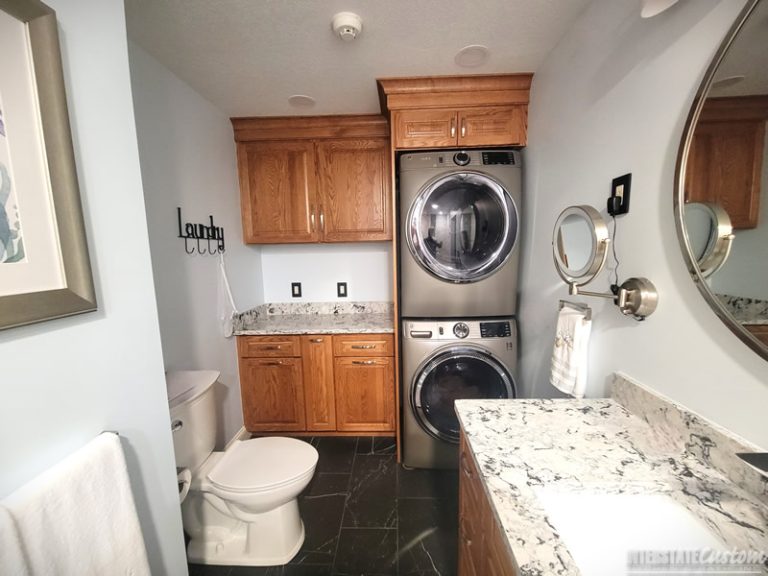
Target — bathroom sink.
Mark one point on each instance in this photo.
(600, 530)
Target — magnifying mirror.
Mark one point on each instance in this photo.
(709, 234)
(579, 244)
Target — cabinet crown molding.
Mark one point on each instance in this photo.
(261, 128)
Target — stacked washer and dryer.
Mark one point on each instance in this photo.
(459, 233)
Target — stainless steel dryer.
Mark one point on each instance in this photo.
(444, 361)
(459, 227)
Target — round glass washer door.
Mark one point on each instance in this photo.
(462, 227)
(460, 373)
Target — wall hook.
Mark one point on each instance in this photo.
(197, 232)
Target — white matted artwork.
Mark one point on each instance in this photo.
(45, 270)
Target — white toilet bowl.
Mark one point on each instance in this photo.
(242, 507)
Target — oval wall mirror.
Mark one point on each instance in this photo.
(721, 208)
(579, 244)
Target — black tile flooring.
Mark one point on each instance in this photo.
(365, 515)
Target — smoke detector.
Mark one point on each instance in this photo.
(347, 25)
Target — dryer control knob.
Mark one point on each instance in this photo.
(460, 330)
(461, 158)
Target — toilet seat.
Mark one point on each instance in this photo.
(262, 464)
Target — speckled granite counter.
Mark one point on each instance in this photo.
(316, 318)
(634, 443)
(745, 310)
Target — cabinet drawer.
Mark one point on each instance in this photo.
(269, 346)
(364, 345)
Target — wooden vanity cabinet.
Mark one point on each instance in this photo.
(457, 111)
(482, 544)
(314, 179)
(318, 383)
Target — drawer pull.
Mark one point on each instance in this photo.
(272, 347)
(273, 363)
(363, 346)
(364, 362)
(316, 340)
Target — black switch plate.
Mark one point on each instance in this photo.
(618, 203)
(341, 289)
(295, 289)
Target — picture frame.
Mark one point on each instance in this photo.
(36, 286)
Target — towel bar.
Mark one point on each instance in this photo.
(586, 310)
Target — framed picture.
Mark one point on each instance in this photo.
(45, 271)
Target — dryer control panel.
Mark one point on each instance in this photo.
(458, 158)
(458, 329)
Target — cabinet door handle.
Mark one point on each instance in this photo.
(453, 128)
(364, 362)
(463, 127)
(363, 346)
(312, 221)
(316, 340)
(464, 467)
(322, 221)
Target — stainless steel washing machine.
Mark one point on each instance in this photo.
(459, 228)
(444, 361)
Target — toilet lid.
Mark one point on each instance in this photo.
(261, 463)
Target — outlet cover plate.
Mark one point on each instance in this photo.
(295, 289)
(341, 289)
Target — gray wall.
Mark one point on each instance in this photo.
(612, 98)
(65, 381)
(188, 159)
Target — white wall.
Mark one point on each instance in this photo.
(365, 267)
(65, 381)
(613, 98)
(188, 159)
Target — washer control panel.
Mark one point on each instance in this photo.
(475, 329)
(495, 329)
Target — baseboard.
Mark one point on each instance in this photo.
(241, 434)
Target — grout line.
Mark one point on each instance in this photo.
(344, 511)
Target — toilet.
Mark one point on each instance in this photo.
(241, 507)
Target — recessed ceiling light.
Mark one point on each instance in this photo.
(472, 56)
(727, 81)
(651, 8)
(301, 101)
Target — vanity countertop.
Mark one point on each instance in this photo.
(316, 318)
(600, 446)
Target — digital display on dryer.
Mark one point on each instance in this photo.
(495, 329)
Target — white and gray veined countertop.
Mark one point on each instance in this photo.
(316, 318)
(636, 442)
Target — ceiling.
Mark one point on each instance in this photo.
(248, 56)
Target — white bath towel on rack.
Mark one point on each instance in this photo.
(570, 354)
(79, 516)
(12, 560)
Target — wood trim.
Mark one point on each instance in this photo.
(732, 108)
(309, 127)
(457, 99)
(395, 296)
(377, 433)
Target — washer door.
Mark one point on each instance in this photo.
(456, 374)
(462, 227)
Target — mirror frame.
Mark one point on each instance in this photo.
(600, 240)
(679, 193)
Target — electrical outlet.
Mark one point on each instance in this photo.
(341, 289)
(618, 203)
(296, 289)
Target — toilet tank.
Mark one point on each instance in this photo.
(193, 415)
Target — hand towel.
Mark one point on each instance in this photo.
(79, 516)
(226, 304)
(12, 560)
(571, 352)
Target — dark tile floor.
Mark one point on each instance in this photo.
(365, 515)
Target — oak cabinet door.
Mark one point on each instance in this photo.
(425, 128)
(317, 358)
(273, 394)
(354, 186)
(492, 126)
(365, 394)
(278, 191)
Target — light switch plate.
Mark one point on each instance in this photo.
(341, 289)
(296, 289)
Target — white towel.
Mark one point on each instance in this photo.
(79, 517)
(12, 560)
(571, 352)
(226, 304)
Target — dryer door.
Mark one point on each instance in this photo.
(456, 374)
(462, 226)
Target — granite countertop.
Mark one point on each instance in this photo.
(634, 443)
(316, 318)
(745, 310)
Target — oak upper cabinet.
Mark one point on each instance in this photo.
(314, 179)
(451, 111)
(278, 191)
(317, 359)
(725, 163)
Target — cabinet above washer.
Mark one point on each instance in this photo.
(451, 111)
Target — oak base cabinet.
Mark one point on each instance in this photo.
(318, 383)
(482, 547)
